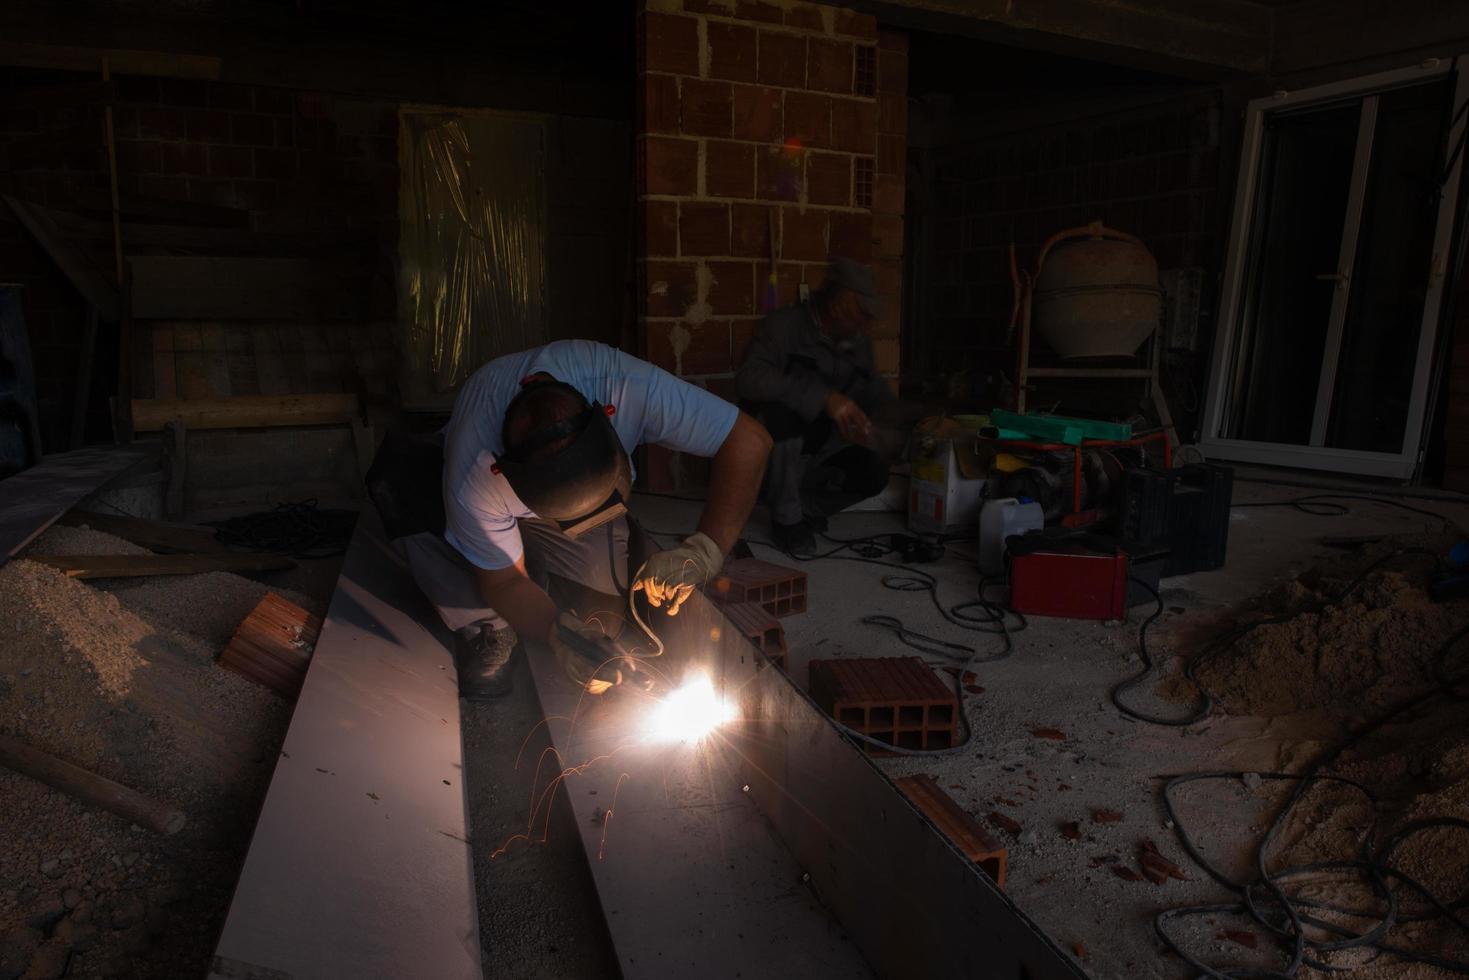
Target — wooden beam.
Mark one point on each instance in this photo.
(140, 566)
(93, 286)
(245, 411)
(20, 54)
(62, 96)
(153, 535)
(207, 288)
(1361, 36)
(89, 787)
(1193, 38)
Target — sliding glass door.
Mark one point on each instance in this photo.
(1335, 274)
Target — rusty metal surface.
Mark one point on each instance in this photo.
(360, 865)
(698, 876)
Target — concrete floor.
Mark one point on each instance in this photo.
(1058, 677)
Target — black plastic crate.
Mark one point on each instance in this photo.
(1198, 518)
(1143, 524)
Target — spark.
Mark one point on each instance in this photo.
(690, 713)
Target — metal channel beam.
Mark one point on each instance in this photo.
(360, 864)
(821, 857)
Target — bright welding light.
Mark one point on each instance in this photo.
(689, 713)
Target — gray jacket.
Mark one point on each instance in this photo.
(792, 363)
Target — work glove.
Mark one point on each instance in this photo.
(672, 576)
(596, 676)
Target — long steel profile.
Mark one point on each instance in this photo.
(774, 848)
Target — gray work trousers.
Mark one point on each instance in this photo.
(450, 583)
(835, 476)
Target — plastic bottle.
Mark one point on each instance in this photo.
(1000, 518)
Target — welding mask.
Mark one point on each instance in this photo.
(580, 486)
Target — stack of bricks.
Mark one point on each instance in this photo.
(769, 138)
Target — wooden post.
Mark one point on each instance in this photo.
(82, 396)
(90, 787)
(122, 408)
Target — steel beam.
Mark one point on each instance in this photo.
(360, 864)
(775, 848)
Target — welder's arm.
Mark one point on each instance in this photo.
(670, 577)
(522, 603)
(734, 482)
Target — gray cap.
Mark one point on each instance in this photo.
(845, 273)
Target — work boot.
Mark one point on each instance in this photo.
(794, 539)
(482, 658)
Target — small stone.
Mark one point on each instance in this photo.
(71, 898)
(67, 855)
(130, 858)
(50, 867)
(128, 912)
(77, 935)
(168, 893)
(16, 949)
(49, 962)
(1252, 781)
(82, 914)
(26, 895)
(1027, 838)
(46, 914)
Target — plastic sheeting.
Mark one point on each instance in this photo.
(472, 242)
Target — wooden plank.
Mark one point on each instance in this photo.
(77, 268)
(63, 96)
(139, 566)
(189, 362)
(211, 288)
(30, 501)
(81, 396)
(165, 384)
(359, 865)
(245, 411)
(124, 61)
(161, 209)
(216, 359)
(270, 364)
(239, 344)
(154, 535)
(236, 241)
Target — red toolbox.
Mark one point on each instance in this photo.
(1069, 579)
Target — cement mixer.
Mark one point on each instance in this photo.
(1096, 293)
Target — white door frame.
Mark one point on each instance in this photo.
(1317, 456)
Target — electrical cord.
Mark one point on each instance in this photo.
(1285, 916)
(991, 618)
(300, 529)
(1323, 505)
(1204, 701)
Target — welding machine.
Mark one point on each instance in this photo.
(1059, 572)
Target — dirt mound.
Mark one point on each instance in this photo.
(1359, 654)
(118, 687)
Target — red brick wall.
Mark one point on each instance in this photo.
(760, 120)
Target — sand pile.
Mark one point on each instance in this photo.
(121, 680)
(1362, 654)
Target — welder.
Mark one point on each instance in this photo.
(810, 378)
(536, 476)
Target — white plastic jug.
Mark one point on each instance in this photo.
(1000, 518)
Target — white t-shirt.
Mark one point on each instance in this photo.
(652, 406)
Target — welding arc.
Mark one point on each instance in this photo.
(1285, 916)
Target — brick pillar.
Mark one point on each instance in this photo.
(761, 152)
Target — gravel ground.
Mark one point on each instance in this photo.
(118, 677)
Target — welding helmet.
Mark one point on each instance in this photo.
(581, 485)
